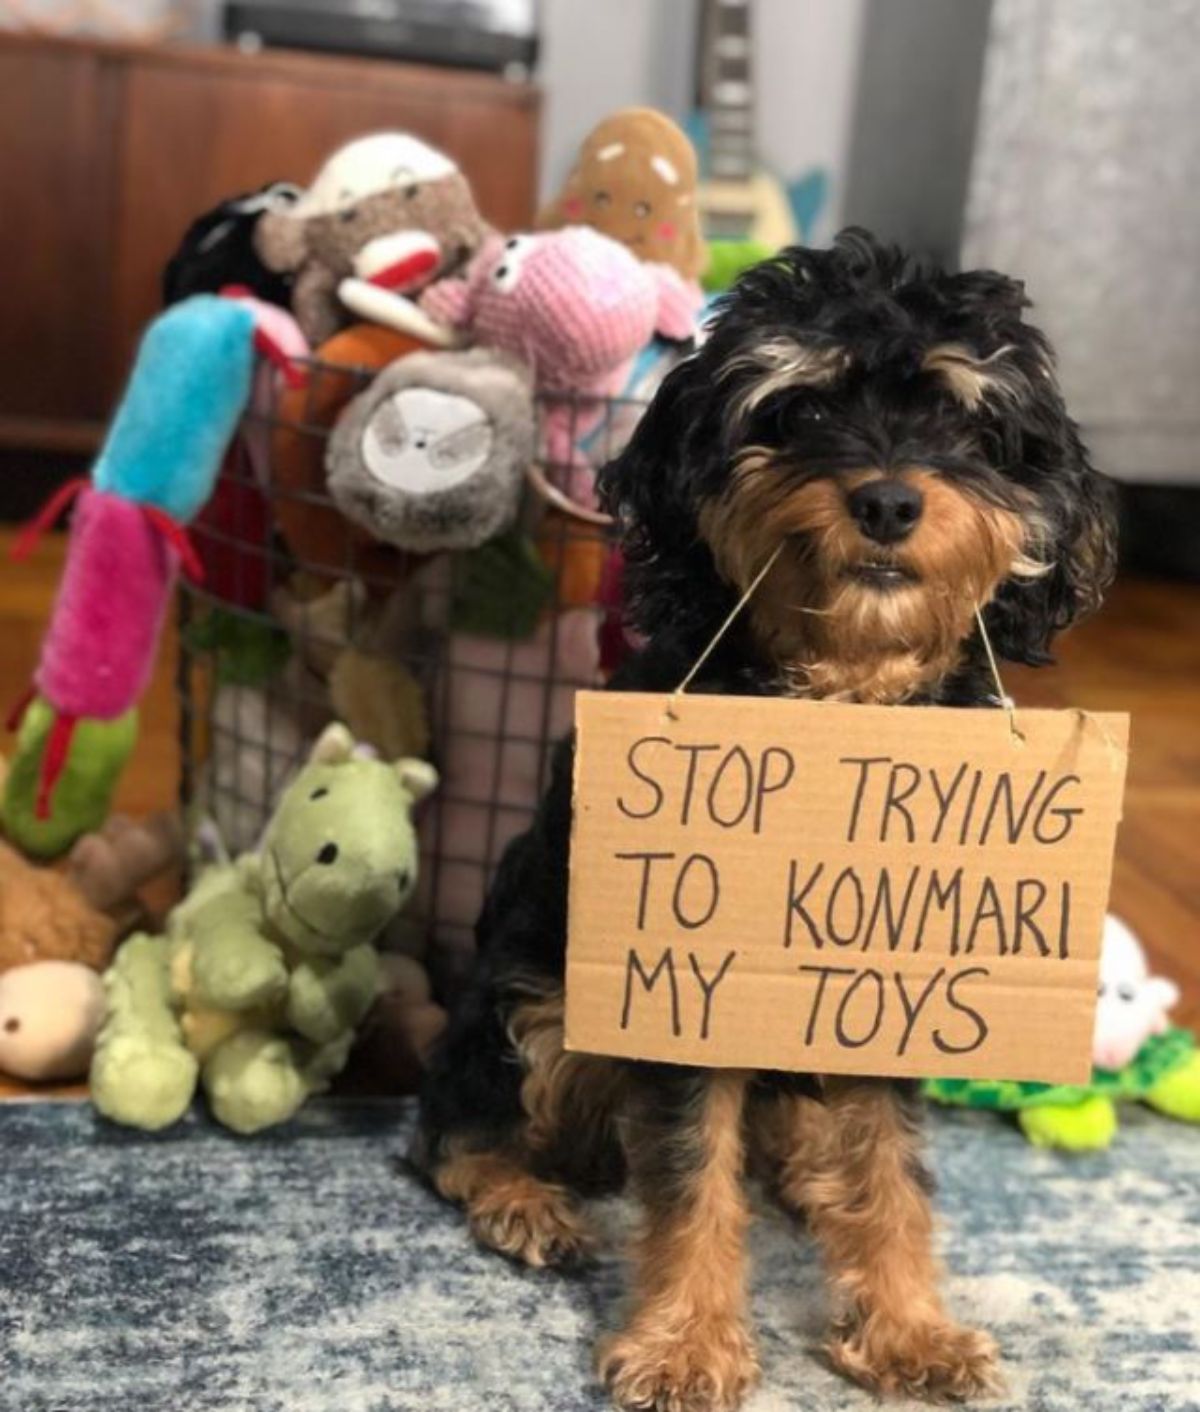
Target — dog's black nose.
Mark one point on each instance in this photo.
(886, 510)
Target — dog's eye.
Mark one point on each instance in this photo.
(602, 198)
(319, 793)
(1126, 992)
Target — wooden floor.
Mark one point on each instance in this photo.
(1142, 655)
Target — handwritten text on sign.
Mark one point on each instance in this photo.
(772, 884)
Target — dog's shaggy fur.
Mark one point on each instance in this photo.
(901, 433)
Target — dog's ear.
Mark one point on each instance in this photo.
(1078, 529)
(643, 488)
(652, 489)
(987, 293)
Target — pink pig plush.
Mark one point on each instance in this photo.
(574, 305)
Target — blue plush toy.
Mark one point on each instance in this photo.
(189, 387)
(190, 383)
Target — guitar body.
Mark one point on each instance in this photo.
(756, 209)
(740, 200)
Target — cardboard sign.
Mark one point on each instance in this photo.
(774, 884)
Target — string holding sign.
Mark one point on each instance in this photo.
(1002, 697)
(730, 619)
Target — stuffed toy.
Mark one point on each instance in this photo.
(157, 467)
(347, 648)
(386, 211)
(575, 545)
(58, 929)
(233, 532)
(384, 700)
(502, 589)
(572, 304)
(257, 743)
(324, 543)
(727, 259)
(394, 1044)
(635, 181)
(1139, 1057)
(218, 249)
(269, 964)
(232, 535)
(433, 455)
(492, 762)
(50, 1013)
(273, 699)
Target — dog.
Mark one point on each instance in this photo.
(900, 432)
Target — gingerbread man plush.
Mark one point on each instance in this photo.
(635, 181)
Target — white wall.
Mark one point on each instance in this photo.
(603, 54)
(807, 53)
(598, 55)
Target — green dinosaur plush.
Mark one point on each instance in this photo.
(268, 964)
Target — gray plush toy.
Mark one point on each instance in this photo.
(433, 454)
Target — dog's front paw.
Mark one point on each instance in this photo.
(711, 1368)
(534, 1223)
(939, 1361)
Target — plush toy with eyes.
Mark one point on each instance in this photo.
(575, 307)
(269, 964)
(386, 212)
(1138, 1057)
(635, 181)
(433, 454)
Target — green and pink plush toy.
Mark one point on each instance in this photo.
(78, 721)
(1138, 1057)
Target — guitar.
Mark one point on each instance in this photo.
(740, 200)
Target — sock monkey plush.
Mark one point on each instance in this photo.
(386, 210)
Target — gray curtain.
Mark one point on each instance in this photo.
(1086, 182)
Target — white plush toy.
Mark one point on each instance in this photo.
(1132, 1004)
(50, 1013)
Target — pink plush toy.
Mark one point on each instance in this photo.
(574, 305)
(491, 766)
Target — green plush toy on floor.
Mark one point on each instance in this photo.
(268, 965)
(1138, 1057)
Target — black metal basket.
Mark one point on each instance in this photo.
(300, 613)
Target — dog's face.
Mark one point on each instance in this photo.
(896, 442)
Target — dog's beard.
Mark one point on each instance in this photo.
(846, 618)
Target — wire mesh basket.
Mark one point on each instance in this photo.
(470, 659)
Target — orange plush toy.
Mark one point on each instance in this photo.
(635, 181)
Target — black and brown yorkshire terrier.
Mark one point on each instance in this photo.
(900, 432)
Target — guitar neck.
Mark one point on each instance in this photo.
(726, 88)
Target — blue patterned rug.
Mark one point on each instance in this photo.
(301, 1273)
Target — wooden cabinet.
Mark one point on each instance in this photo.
(56, 190)
(107, 152)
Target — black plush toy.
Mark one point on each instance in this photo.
(218, 250)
